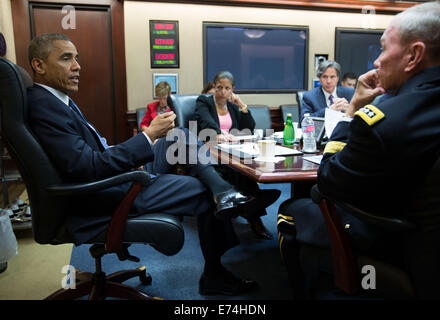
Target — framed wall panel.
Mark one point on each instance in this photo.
(262, 58)
(164, 44)
(171, 78)
(357, 49)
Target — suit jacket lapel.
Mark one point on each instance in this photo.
(322, 101)
(214, 112)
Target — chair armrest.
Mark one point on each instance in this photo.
(75, 189)
(116, 228)
(387, 223)
(344, 263)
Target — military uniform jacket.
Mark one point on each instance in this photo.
(381, 159)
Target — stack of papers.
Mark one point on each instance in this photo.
(314, 159)
(246, 138)
(332, 117)
(283, 151)
(249, 150)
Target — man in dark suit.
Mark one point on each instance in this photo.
(380, 159)
(81, 154)
(328, 95)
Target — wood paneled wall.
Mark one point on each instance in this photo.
(384, 7)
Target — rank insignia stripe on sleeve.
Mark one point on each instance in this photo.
(334, 146)
(370, 114)
(285, 219)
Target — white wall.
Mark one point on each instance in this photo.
(137, 14)
(6, 29)
(321, 25)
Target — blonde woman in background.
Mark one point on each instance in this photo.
(163, 90)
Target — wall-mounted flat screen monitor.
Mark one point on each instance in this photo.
(262, 58)
(357, 49)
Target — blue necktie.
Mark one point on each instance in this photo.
(76, 109)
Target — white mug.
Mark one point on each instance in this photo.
(266, 149)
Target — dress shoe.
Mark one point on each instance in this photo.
(229, 202)
(225, 283)
(259, 229)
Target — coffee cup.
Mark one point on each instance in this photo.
(266, 149)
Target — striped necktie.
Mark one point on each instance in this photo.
(330, 98)
(75, 108)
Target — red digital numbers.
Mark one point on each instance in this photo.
(163, 26)
(165, 56)
(164, 41)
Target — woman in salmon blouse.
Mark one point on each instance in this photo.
(223, 111)
(163, 90)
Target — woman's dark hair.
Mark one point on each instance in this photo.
(224, 75)
(208, 87)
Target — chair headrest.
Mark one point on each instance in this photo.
(25, 77)
(184, 106)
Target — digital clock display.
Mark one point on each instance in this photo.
(164, 41)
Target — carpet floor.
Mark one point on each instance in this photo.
(177, 277)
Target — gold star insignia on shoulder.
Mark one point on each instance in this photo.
(370, 114)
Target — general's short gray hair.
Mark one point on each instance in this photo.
(421, 22)
(328, 64)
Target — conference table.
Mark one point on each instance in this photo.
(294, 169)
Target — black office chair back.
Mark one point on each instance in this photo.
(423, 248)
(35, 167)
(420, 243)
(261, 115)
(299, 102)
(290, 108)
(184, 106)
(426, 198)
(140, 113)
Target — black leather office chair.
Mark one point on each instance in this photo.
(290, 108)
(140, 113)
(299, 102)
(49, 198)
(184, 106)
(261, 115)
(419, 278)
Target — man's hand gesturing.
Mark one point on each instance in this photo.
(160, 125)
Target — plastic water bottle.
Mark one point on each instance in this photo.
(308, 129)
(289, 131)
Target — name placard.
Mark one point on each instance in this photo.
(164, 44)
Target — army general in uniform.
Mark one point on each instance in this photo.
(379, 158)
